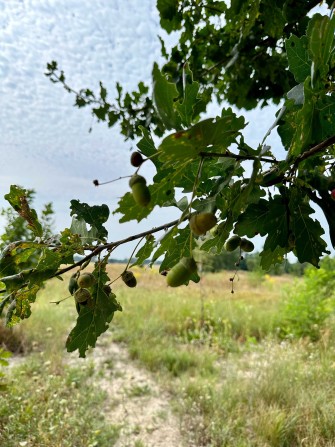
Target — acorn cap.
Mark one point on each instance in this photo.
(202, 222)
(136, 179)
(82, 295)
(189, 264)
(136, 159)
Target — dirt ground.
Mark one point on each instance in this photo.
(135, 401)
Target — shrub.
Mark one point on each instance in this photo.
(310, 302)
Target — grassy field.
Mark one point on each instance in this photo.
(234, 379)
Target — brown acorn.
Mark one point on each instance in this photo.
(82, 295)
(129, 279)
(73, 285)
(136, 159)
(233, 243)
(202, 222)
(107, 289)
(86, 280)
(181, 272)
(140, 190)
(247, 245)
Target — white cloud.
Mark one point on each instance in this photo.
(45, 142)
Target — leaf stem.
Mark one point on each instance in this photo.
(58, 302)
(130, 257)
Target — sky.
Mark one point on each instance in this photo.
(45, 143)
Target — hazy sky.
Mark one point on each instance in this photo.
(45, 143)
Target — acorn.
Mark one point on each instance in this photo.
(140, 190)
(86, 280)
(107, 289)
(232, 243)
(82, 295)
(73, 285)
(247, 245)
(202, 222)
(136, 159)
(181, 272)
(129, 279)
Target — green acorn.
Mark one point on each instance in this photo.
(129, 279)
(86, 280)
(73, 285)
(232, 243)
(82, 295)
(202, 222)
(140, 190)
(181, 272)
(247, 245)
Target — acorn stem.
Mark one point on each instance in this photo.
(131, 256)
(58, 302)
(97, 183)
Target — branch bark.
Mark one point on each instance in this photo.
(113, 245)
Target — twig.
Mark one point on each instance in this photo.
(314, 150)
(112, 245)
(238, 157)
(97, 183)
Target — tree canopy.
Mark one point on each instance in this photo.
(246, 53)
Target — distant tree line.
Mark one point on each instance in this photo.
(249, 262)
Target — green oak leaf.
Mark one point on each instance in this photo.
(146, 144)
(161, 191)
(186, 107)
(95, 216)
(288, 124)
(169, 16)
(70, 245)
(131, 210)
(304, 122)
(178, 248)
(324, 126)
(166, 242)
(265, 217)
(17, 197)
(209, 135)
(298, 57)
(216, 244)
(78, 226)
(178, 146)
(145, 251)
(272, 257)
(309, 246)
(23, 299)
(320, 34)
(16, 254)
(164, 95)
(93, 320)
(48, 264)
(254, 220)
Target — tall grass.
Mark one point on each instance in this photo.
(235, 382)
(233, 378)
(46, 402)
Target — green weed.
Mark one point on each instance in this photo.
(43, 407)
(310, 303)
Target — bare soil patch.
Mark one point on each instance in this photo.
(135, 402)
